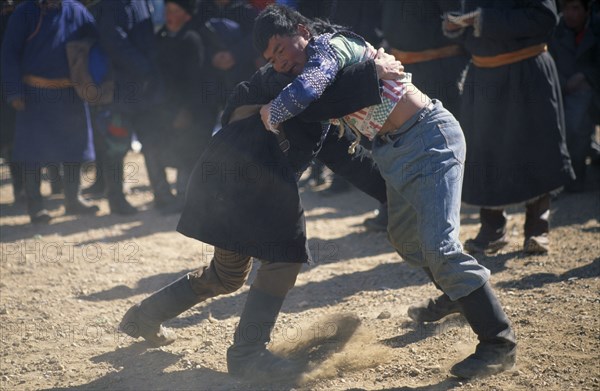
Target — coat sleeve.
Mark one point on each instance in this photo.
(319, 72)
(13, 45)
(533, 18)
(356, 87)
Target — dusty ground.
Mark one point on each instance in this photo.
(64, 288)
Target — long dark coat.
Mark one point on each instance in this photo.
(512, 115)
(243, 196)
(403, 20)
(182, 63)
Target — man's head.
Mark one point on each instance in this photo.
(178, 13)
(575, 13)
(281, 35)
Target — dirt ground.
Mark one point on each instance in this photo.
(64, 288)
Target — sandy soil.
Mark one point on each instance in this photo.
(64, 288)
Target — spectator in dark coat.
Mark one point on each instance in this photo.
(435, 61)
(361, 16)
(184, 115)
(576, 51)
(512, 116)
(226, 29)
(127, 35)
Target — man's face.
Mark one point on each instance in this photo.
(286, 53)
(175, 17)
(575, 15)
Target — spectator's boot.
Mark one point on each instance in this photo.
(144, 319)
(97, 188)
(248, 358)
(74, 203)
(35, 202)
(434, 309)
(537, 226)
(492, 234)
(117, 202)
(54, 177)
(18, 182)
(497, 348)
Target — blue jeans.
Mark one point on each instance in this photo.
(422, 163)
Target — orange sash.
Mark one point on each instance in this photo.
(510, 57)
(427, 55)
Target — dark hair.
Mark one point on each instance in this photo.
(278, 19)
(584, 3)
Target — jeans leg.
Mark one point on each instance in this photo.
(424, 167)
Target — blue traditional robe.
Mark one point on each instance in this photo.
(55, 125)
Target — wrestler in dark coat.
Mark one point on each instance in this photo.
(243, 196)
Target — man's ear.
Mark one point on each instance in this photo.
(303, 31)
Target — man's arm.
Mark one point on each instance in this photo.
(355, 87)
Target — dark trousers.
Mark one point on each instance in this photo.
(228, 271)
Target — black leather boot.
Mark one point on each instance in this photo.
(74, 203)
(492, 234)
(144, 319)
(497, 348)
(248, 357)
(537, 226)
(113, 174)
(434, 309)
(35, 201)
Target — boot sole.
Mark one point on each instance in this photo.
(492, 248)
(533, 247)
(488, 370)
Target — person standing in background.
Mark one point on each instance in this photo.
(226, 29)
(53, 122)
(574, 47)
(8, 117)
(512, 116)
(127, 36)
(181, 60)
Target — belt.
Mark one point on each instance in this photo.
(390, 136)
(427, 55)
(42, 82)
(510, 57)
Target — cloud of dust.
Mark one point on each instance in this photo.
(332, 345)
